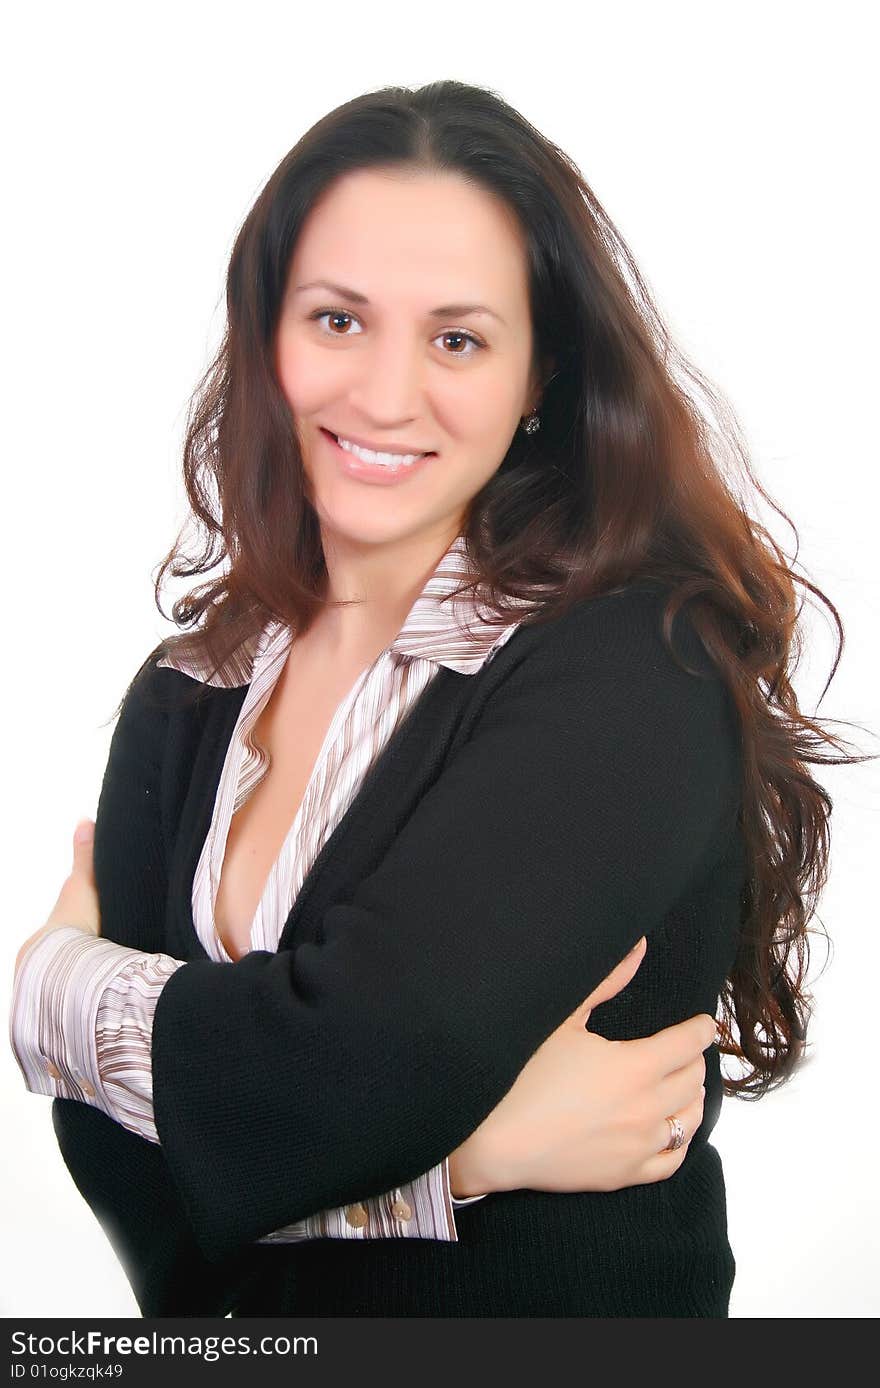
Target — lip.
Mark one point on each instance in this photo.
(373, 473)
(376, 447)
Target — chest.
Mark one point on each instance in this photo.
(291, 729)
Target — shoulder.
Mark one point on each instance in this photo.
(161, 690)
(630, 632)
(597, 702)
(154, 696)
(627, 668)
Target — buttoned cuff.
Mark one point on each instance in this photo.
(422, 1209)
(56, 995)
(81, 1027)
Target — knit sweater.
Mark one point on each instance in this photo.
(82, 1011)
(520, 831)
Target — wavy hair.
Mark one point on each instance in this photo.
(639, 471)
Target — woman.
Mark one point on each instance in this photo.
(473, 738)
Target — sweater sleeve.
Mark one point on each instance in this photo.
(81, 1027)
(596, 785)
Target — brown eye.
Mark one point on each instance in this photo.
(335, 314)
(457, 335)
(454, 335)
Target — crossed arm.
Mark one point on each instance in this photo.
(598, 781)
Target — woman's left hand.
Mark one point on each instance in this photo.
(77, 902)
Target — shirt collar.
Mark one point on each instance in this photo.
(461, 634)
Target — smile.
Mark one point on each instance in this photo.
(366, 465)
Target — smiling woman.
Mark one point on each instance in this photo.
(486, 722)
(392, 370)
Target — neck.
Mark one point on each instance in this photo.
(380, 582)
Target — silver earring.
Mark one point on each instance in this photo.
(532, 423)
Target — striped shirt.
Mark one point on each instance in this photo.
(82, 1008)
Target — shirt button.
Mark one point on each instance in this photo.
(356, 1215)
(53, 1070)
(401, 1210)
(83, 1083)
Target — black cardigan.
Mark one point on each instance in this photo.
(517, 835)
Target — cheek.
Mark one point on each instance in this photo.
(488, 415)
(467, 468)
(300, 376)
(487, 434)
(289, 377)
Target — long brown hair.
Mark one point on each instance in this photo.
(630, 476)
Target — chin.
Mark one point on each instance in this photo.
(360, 524)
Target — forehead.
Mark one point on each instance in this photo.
(419, 239)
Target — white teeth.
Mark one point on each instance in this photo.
(392, 460)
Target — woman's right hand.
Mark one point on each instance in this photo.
(589, 1114)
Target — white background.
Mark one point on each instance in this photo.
(732, 147)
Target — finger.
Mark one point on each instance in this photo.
(616, 981)
(83, 840)
(662, 1163)
(679, 1089)
(675, 1046)
(690, 1117)
(76, 904)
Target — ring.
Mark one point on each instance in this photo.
(676, 1135)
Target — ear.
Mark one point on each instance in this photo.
(541, 377)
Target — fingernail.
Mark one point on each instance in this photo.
(84, 832)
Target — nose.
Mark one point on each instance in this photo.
(390, 384)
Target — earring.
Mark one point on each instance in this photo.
(532, 423)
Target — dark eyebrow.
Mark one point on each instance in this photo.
(444, 311)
